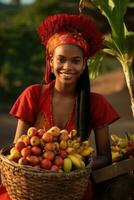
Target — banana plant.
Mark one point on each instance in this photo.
(120, 43)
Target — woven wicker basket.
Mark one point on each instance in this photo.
(29, 183)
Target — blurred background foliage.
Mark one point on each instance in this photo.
(22, 57)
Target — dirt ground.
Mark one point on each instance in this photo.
(111, 85)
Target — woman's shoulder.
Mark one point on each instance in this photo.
(96, 97)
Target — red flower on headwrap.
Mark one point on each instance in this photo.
(81, 28)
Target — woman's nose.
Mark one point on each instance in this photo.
(67, 65)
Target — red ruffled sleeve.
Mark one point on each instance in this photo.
(102, 112)
(26, 106)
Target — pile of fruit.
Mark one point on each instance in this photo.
(122, 148)
(55, 150)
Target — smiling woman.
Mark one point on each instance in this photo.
(64, 99)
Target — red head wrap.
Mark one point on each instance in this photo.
(74, 29)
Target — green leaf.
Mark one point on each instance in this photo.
(95, 65)
(114, 11)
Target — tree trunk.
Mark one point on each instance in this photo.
(129, 76)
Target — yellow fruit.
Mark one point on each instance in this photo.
(116, 156)
(115, 148)
(72, 133)
(82, 164)
(122, 143)
(76, 145)
(87, 151)
(78, 156)
(69, 150)
(85, 143)
(115, 138)
(67, 165)
(69, 143)
(63, 144)
(55, 131)
(76, 161)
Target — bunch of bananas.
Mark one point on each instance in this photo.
(122, 148)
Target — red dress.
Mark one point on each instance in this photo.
(34, 107)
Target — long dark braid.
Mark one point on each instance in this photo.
(83, 105)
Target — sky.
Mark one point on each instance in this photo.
(23, 1)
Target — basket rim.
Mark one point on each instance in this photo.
(42, 172)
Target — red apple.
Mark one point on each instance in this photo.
(47, 137)
(20, 145)
(23, 161)
(46, 164)
(54, 168)
(26, 151)
(58, 161)
(49, 155)
(36, 150)
(33, 160)
(32, 131)
(50, 146)
(63, 154)
(64, 135)
(35, 140)
(26, 139)
(40, 132)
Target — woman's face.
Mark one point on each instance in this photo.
(68, 63)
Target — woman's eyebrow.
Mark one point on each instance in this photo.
(76, 57)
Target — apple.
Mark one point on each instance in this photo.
(58, 161)
(36, 150)
(54, 168)
(32, 131)
(26, 151)
(20, 145)
(40, 132)
(14, 154)
(46, 164)
(47, 137)
(64, 135)
(23, 161)
(35, 140)
(55, 131)
(33, 160)
(49, 155)
(50, 146)
(25, 139)
(63, 154)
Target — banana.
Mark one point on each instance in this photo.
(115, 148)
(72, 133)
(76, 145)
(69, 143)
(67, 164)
(122, 143)
(85, 143)
(63, 144)
(87, 151)
(115, 138)
(130, 136)
(78, 156)
(70, 150)
(76, 161)
(116, 156)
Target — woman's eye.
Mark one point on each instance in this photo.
(61, 60)
(76, 61)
